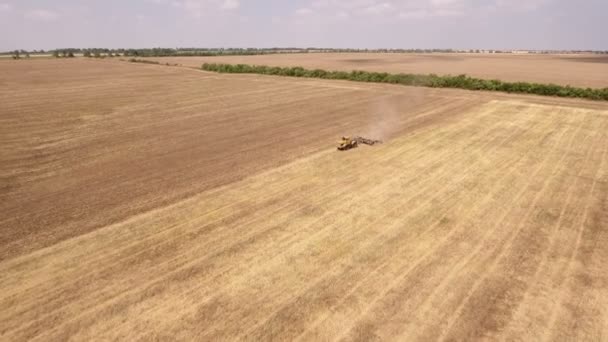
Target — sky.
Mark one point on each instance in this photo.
(457, 24)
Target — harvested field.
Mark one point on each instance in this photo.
(574, 70)
(143, 202)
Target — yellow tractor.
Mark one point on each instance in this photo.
(347, 142)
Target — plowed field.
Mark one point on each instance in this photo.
(142, 202)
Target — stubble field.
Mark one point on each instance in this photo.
(575, 70)
(160, 203)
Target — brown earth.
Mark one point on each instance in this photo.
(143, 202)
(574, 70)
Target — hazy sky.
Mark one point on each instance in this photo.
(506, 24)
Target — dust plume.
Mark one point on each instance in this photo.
(383, 119)
(389, 115)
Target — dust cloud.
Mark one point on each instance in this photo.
(382, 120)
(388, 115)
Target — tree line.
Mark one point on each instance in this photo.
(135, 60)
(205, 52)
(63, 54)
(431, 80)
(210, 52)
(18, 54)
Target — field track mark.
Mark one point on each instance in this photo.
(463, 172)
(283, 248)
(544, 277)
(14, 262)
(563, 287)
(454, 243)
(419, 261)
(20, 206)
(520, 267)
(403, 246)
(501, 253)
(106, 218)
(470, 151)
(570, 188)
(461, 265)
(411, 212)
(437, 157)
